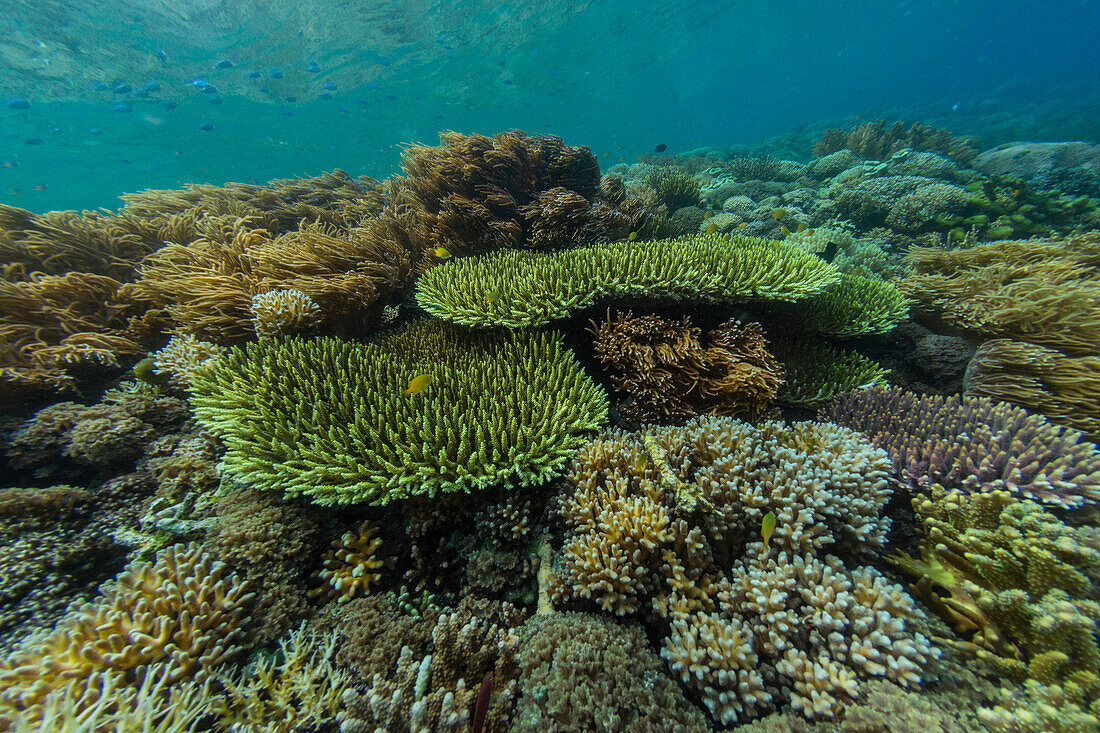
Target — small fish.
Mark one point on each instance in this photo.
(209, 89)
(198, 81)
(33, 141)
(41, 187)
(253, 73)
(607, 155)
(225, 64)
(1015, 192)
(331, 86)
(291, 98)
(810, 231)
(767, 527)
(509, 82)
(206, 127)
(313, 68)
(712, 228)
(171, 105)
(276, 74)
(325, 95)
(418, 383)
(632, 237)
(779, 213)
(384, 61)
(801, 227)
(442, 253)
(11, 164)
(785, 231)
(660, 148)
(162, 56)
(214, 100)
(829, 252)
(481, 703)
(152, 86)
(100, 86)
(493, 296)
(706, 215)
(123, 88)
(18, 103)
(742, 225)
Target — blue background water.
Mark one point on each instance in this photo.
(620, 77)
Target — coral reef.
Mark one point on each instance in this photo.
(1070, 708)
(1014, 574)
(973, 444)
(587, 672)
(669, 374)
(350, 566)
(1066, 389)
(182, 357)
(523, 289)
(183, 610)
(875, 141)
(501, 407)
(805, 623)
(854, 306)
(283, 313)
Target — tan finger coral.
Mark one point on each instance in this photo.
(350, 567)
(283, 313)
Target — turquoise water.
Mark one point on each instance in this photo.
(618, 77)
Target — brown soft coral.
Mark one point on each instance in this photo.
(875, 141)
(475, 193)
(671, 371)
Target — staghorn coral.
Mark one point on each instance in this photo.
(1014, 575)
(875, 141)
(523, 289)
(1073, 707)
(817, 372)
(973, 444)
(587, 672)
(283, 313)
(1038, 291)
(668, 373)
(500, 407)
(854, 306)
(1065, 389)
(183, 610)
(675, 189)
(744, 630)
(297, 688)
(206, 286)
(473, 643)
(474, 193)
(349, 567)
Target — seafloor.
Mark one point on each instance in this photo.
(505, 442)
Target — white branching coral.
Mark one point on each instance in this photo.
(182, 357)
(283, 312)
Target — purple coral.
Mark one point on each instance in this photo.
(973, 444)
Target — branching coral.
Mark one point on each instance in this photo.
(283, 313)
(854, 306)
(1065, 389)
(817, 372)
(1073, 707)
(973, 444)
(669, 374)
(802, 622)
(522, 289)
(1037, 291)
(182, 357)
(475, 193)
(183, 610)
(1013, 573)
(350, 567)
(874, 141)
(332, 419)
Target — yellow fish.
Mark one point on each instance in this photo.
(712, 228)
(785, 231)
(779, 213)
(442, 253)
(742, 225)
(767, 527)
(810, 231)
(801, 226)
(418, 383)
(493, 296)
(632, 237)
(706, 215)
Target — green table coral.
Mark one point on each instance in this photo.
(331, 419)
(519, 289)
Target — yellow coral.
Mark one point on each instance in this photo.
(349, 567)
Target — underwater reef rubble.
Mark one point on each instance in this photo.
(376, 473)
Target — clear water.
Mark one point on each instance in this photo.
(620, 77)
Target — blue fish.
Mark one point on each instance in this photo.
(152, 86)
(18, 103)
(391, 97)
(362, 100)
(384, 61)
(253, 74)
(198, 81)
(330, 86)
(121, 107)
(214, 100)
(162, 56)
(287, 112)
(94, 131)
(206, 127)
(172, 104)
(122, 88)
(291, 98)
(509, 82)
(209, 89)
(99, 86)
(313, 68)
(33, 141)
(276, 74)
(344, 110)
(225, 64)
